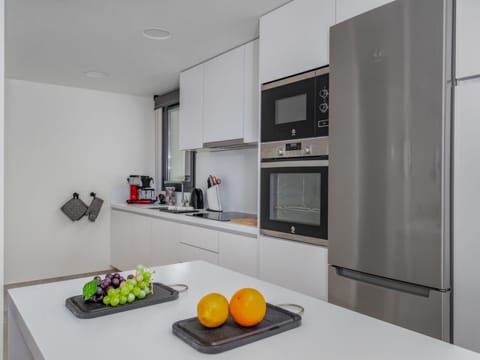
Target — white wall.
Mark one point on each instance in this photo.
(60, 140)
(2, 42)
(238, 171)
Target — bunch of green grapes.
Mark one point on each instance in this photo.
(134, 287)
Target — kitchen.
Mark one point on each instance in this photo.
(111, 144)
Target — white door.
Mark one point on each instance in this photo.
(224, 103)
(164, 242)
(467, 32)
(238, 253)
(191, 108)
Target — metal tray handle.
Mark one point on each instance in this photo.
(182, 287)
(299, 309)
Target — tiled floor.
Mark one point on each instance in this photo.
(36, 282)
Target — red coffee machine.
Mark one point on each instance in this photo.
(137, 183)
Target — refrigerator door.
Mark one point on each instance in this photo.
(414, 307)
(389, 142)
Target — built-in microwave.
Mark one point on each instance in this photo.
(294, 190)
(296, 107)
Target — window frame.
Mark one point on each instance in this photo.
(188, 185)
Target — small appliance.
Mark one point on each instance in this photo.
(296, 107)
(294, 190)
(196, 199)
(140, 191)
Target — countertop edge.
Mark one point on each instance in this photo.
(224, 226)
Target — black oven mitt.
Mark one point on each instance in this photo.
(94, 208)
(74, 208)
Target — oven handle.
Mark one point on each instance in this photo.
(290, 164)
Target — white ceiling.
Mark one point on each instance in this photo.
(57, 41)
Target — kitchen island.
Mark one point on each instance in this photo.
(41, 327)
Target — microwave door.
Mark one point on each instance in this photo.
(288, 110)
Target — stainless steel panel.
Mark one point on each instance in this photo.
(390, 142)
(310, 147)
(417, 308)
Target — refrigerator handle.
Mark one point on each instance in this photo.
(384, 282)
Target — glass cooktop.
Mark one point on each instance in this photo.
(223, 216)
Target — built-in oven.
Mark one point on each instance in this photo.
(296, 107)
(294, 190)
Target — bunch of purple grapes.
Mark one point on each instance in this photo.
(111, 281)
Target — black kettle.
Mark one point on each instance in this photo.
(196, 199)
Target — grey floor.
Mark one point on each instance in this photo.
(36, 282)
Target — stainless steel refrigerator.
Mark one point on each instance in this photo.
(389, 174)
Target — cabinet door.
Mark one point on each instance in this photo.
(251, 122)
(468, 28)
(192, 253)
(191, 108)
(466, 244)
(238, 253)
(224, 97)
(347, 9)
(130, 240)
(295, 38)
(164, 242)
(199, 237)
(294, 265)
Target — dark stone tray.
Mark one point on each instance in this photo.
(89, 310)
(230, 335)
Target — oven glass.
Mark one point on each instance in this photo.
(295, 198)
(291, 109)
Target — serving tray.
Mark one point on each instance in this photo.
(230, 335)
(89, 310)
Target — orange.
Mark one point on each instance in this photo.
(248, 307)
(212, 310)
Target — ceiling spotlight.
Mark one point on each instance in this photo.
(156, 34)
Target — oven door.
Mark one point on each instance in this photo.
(294, 200)
(288, 109)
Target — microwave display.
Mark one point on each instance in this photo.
(291, 109)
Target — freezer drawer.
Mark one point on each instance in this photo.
(411, 306)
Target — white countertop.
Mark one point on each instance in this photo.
(327, 332)
(183, 218)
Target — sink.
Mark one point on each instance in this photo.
(176, 209)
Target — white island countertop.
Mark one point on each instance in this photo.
(327, 331)
(185, 219)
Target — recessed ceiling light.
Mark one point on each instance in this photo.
(97, 74)
(156, 34)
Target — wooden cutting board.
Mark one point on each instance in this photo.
(245, 221)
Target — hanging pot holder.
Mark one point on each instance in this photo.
(94, 208)
(74, 208)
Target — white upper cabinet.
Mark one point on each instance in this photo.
(295, 38)
(468, 29)
(223, 111)
(347, 9)
(219, 99)
(191, 108)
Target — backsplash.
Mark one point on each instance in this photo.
(238, 171)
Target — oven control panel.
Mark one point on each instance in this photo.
(292, 149)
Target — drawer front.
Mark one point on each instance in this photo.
(200, 237)
(192, 253)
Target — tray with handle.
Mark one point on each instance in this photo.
(89, 310)
(230, 335)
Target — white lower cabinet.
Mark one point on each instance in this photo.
(191, 253)
(294, 265)
(238, 252)
(164, 242)
(130, 240)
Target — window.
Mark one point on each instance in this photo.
(174, 166)
(177, 165)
